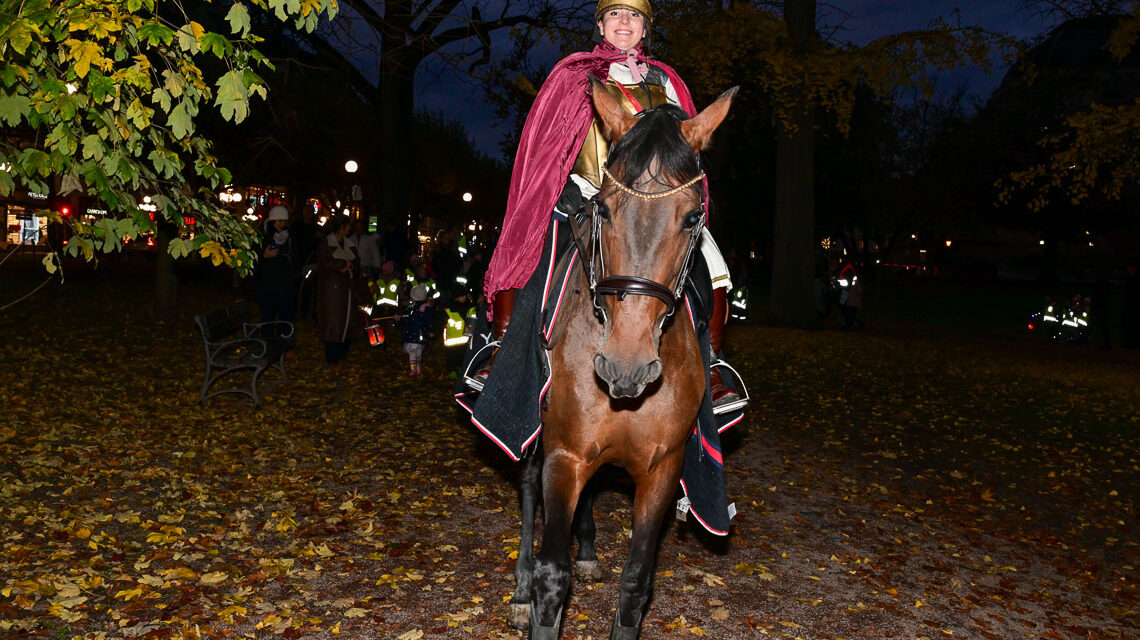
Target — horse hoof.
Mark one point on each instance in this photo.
(589, 570)
(520, 616)
(539, 632)
(624, 633)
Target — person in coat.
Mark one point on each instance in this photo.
(277, 273)
(338, 268)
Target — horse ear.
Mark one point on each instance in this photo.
(616, 121)
(698, 130)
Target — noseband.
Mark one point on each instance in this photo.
(621, 286)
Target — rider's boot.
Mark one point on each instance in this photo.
(721, 395)
(502, 308)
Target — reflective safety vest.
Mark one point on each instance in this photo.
(739, 307)
(432, 287)
(455, 332)
(462, 245)
(386, 292)
(472, 313)
(847, 276)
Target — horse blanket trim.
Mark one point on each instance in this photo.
(509, 409)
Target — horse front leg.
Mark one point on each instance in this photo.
(586, 562)
(654, 495)
(524, 566)
(562, 479)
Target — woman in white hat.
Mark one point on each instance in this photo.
(277, 273)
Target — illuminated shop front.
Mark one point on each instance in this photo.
(21, 225)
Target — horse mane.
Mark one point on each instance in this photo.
(657, 134)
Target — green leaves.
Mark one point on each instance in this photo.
(216, 44)
(154, 33)
(18, 35)
(111, 107)
(13, 109)
(238, 18)
(180, 120)
(233, 96)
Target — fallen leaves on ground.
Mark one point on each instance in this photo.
(887, 487)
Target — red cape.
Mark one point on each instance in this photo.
(551, 139)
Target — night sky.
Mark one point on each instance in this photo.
(442, 91)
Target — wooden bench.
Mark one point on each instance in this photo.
(234, 345)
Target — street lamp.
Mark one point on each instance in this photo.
(467, 196)
(351, 166)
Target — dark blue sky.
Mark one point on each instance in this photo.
(460, 98)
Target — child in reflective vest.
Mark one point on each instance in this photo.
(456, 330)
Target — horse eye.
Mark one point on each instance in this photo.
(603, 210)
(692, 219)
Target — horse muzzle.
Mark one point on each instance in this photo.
(627, 381)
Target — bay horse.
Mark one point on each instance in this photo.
(627, 378)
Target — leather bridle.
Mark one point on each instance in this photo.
(621, 286)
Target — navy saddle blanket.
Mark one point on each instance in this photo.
(509, 408)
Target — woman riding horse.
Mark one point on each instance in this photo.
(561, 156)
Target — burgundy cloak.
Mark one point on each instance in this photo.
(551, 139)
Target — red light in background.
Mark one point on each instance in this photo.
(189, 220)
(65, 210)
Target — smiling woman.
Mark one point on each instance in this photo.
(622, 64)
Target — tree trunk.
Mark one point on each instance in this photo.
(793, 297)
(166, 278)
(397, 108)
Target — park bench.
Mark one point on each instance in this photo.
(234, 345)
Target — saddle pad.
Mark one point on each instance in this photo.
(509, 409)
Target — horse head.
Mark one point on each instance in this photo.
(645, 226)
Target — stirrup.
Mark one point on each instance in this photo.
(474, 382)
(741, 390)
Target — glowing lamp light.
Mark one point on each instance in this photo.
(948, 243)
(351, 166)
(467, 196)
(146, 199)
(65, 210)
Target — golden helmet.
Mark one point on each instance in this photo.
(641, 6)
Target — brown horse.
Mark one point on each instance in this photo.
(627, 375)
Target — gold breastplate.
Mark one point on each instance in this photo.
(596, 148)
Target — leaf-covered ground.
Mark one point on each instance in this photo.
(889, 485)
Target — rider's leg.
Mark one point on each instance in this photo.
(502, 308)
(721, 282)
(721, 394)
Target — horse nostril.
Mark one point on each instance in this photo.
(605, 369)
(650, 372)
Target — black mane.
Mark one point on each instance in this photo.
(656, 135)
